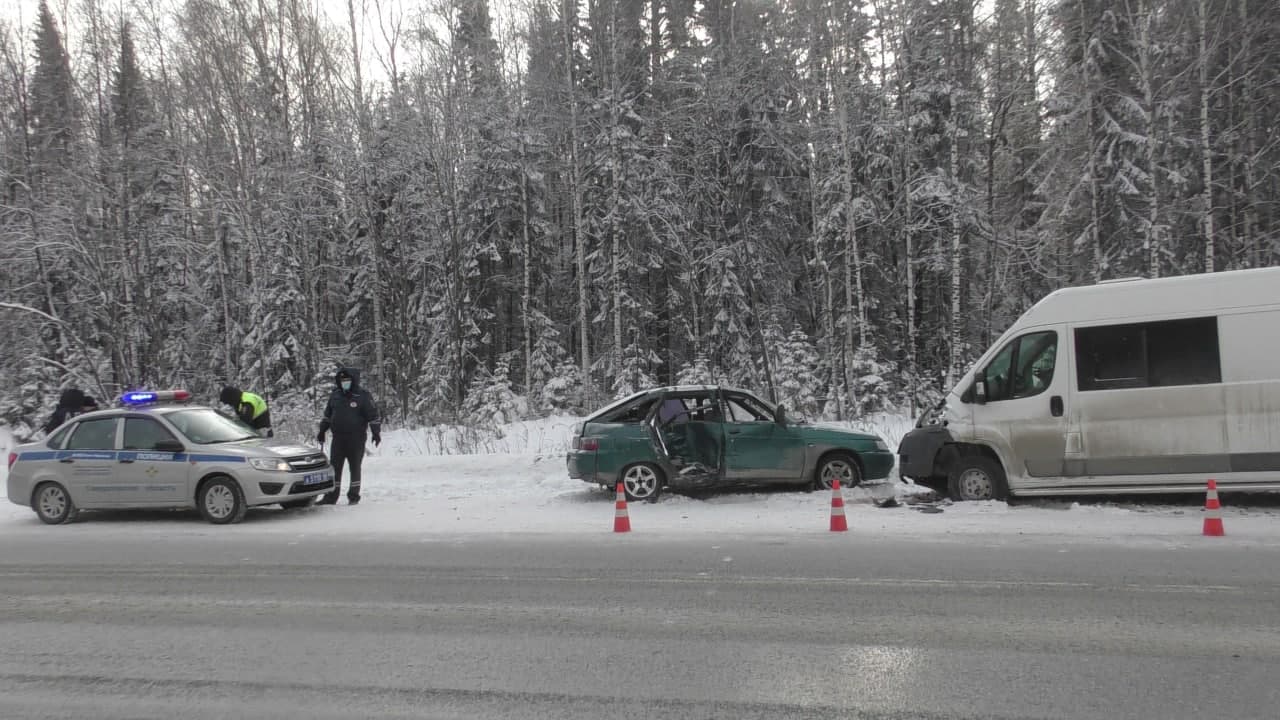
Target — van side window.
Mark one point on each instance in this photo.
(1023, 368)
(1109, 358)
(1158, 354)
(1183, 352)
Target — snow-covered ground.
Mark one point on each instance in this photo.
(419, 485)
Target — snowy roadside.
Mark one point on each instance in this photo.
(411, 492)
(442, 497)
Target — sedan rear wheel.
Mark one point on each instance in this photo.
(642, 482)
(53, 504)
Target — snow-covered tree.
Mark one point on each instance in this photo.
(635, 374)
(651, 191)
(564, 392)
(490, 400)
(799, 387)
(696, 373)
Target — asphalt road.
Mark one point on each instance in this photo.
(232, 626)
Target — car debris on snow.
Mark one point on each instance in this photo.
(929, 502)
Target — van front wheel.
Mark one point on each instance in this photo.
(977, 477)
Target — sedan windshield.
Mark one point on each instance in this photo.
(206, 427)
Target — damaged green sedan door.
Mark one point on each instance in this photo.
(687, 431)
(760, 445)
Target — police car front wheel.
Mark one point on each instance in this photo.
(221, 501)
(53, 504)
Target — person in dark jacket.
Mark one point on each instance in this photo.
(72, 402)
(350, 414)
(250, 408)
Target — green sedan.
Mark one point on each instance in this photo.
(693, 437)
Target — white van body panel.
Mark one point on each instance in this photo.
(1148, 438)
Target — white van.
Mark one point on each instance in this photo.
(1127, 386)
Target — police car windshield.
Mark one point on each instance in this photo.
(206, 427)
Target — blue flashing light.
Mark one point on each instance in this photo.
(149, 397)
(138, 398)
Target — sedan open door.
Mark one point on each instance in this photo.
(686, 429)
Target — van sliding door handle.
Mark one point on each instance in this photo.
(1055, 405)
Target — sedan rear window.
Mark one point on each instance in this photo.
(97, 434)
(55, 440)
(612, 409)
(633, 412)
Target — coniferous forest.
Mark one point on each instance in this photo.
(503, 209)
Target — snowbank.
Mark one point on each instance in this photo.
(439, 497)
(543, 436)
(417, 485)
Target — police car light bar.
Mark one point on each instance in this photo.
(147, 397)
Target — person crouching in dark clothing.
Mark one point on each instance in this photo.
(350, 414)
(72, 402)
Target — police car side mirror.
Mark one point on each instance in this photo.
(172, 446)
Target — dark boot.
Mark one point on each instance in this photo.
(353, 499)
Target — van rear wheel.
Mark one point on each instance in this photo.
(977, 477)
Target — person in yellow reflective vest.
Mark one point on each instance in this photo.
(250, 408)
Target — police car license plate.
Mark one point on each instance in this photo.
(315, 478)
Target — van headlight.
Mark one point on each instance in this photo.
(270, 464)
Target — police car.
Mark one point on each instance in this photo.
(158, 451)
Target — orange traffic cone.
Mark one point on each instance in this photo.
(838, 522)
(621, 521)
(1213, 512)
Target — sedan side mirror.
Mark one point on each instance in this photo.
(780, 416)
